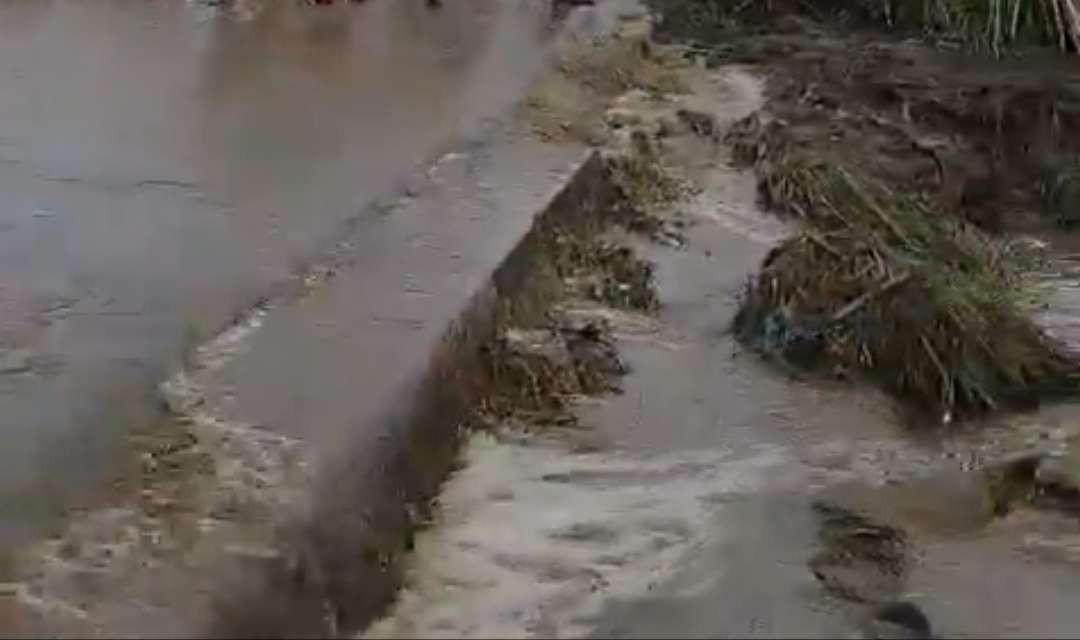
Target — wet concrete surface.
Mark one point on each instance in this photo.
(337, 357)
(311, 393)
(164, 167)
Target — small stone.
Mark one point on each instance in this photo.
(898, 620)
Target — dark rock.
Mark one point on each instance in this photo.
(898, 620)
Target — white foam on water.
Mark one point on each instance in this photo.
(532, 539)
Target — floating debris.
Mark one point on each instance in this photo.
(859, 560)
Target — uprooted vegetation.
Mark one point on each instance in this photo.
(903, 161)
(536, 373)
(883, 283)
(537, 366)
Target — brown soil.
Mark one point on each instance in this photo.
(986, 136)
(906, 160)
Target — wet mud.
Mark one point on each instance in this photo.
(950, 155)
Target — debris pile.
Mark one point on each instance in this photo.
(884, 283)
(536, 373)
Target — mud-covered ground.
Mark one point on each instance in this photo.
(720, 495)
(990, 137)
(957, 159)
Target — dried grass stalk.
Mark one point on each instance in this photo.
(884, 284)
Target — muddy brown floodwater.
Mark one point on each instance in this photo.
(163, 167)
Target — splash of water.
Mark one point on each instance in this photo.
(532, 539)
